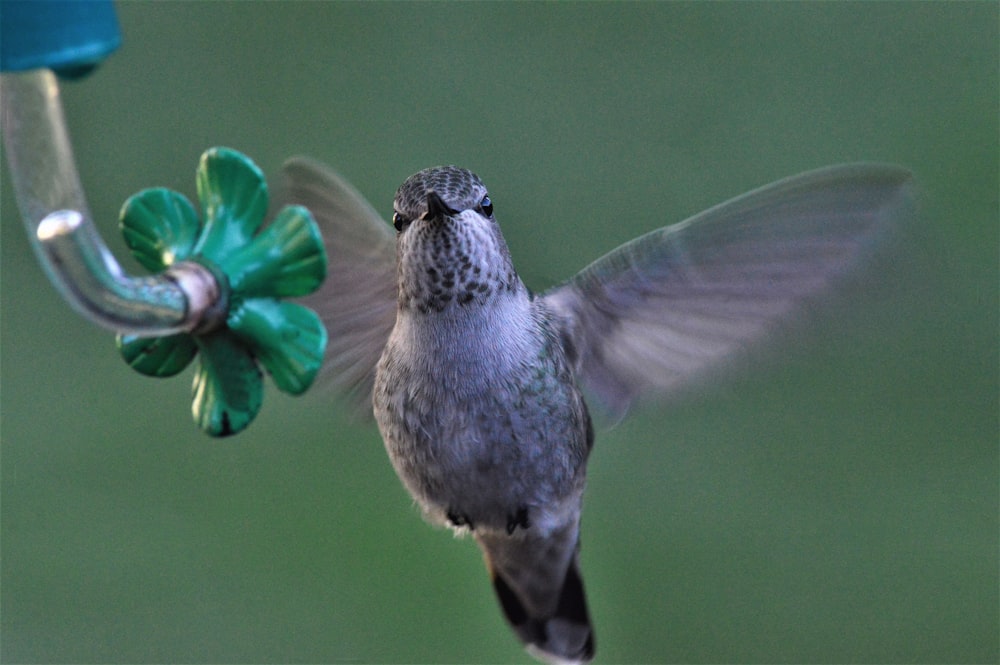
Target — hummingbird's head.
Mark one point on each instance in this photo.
(450, 251)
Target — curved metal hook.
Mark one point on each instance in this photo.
(76, 259)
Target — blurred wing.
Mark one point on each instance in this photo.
(357, 302)
(663, 308)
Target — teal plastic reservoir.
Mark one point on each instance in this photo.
(70, 37)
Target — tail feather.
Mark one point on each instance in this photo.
(538, 584)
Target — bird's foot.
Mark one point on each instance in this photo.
(518, 519)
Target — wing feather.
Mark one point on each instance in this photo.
(660, 310)
(357, 302)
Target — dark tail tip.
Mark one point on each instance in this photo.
(564, 637)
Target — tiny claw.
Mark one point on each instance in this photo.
(460, 519)
(518, 519)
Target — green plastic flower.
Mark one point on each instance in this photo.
(255, 269)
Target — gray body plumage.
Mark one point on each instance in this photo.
(476, 383)
(499, 429)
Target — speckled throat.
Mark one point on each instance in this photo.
(450, 249)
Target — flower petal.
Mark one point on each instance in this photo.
(160, 226)
(233, 196)
(157, 356)
(228, 390)
(287, 338)
(286, 259)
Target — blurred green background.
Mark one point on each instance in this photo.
(836, 502)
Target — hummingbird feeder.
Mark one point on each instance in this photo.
(220, 279)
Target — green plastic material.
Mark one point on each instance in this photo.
(256, 268)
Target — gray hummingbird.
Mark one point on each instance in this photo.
(477, 384)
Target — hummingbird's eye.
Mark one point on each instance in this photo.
(399, 221)
(487, 206)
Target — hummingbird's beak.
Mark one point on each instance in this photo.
(436, 207)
